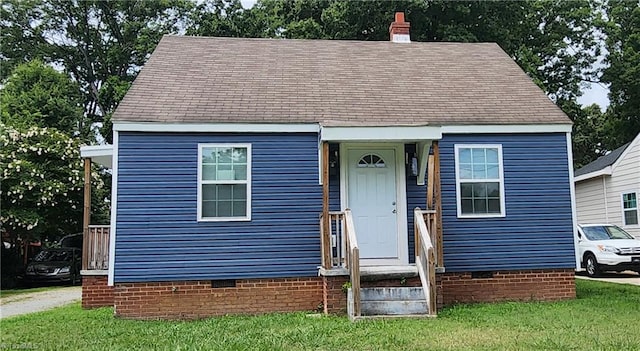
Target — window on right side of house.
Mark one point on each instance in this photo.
(479, 181)
(630, 208)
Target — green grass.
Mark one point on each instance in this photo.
(14, 292)
(604, 317)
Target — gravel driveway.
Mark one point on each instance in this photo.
(38, 301)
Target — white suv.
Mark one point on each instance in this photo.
(606, 247)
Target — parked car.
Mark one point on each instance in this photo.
(55, 265)
(606, 247)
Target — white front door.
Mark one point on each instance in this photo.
(372, 196)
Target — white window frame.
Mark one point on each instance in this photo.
(624, 218)
(247, 182)
(502, 213)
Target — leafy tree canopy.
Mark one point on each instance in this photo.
(101, 44)
(623, 74)
(38, 95)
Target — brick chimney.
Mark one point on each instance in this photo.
(399, 29)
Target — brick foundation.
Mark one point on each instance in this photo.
(95, 292)
(525, 285)
(197, 299)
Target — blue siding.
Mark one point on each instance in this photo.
(537, 231)
(416, 197)
(159, 239)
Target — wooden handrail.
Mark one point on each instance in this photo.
(95, 253)
(353, 261)
(425, 257)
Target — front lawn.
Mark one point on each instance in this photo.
(604, 317)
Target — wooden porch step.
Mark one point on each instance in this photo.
(390, 302)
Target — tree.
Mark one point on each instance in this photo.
(218, 18)
(623, 74)
(553, 41)
(589, 133)
(37, 95)
(101, 44)
(42, 182)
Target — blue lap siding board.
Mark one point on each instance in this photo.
(537, 231)
(159, 239)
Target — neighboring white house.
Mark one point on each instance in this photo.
(608, 189)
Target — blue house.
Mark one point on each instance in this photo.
(258, 175)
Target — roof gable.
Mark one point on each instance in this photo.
(334, 83)
(601, 163)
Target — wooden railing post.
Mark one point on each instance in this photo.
(355, 281)
(438, 204)
(353, 262)
(425, 256)
(432, 281)
(86, 215)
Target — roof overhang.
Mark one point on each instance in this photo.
(601, 172)
(342, 133)
(161, 127)
(400, 133)
(417, 133)
(100, 154)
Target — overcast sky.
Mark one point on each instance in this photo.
(595, 94)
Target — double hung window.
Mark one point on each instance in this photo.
(630, 208)
(479, 181)
(224, 182)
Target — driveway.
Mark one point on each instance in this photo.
(38, 301)
(620, 278)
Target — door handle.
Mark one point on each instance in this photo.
(394, 211)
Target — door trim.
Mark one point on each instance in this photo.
(401, 196)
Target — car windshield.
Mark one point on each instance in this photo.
(48, 256)
(605, 232)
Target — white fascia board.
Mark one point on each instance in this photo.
(507, 128)
(373, 134)
(114, 210)
(96, 150)
(633, 144)
(598, 173)
(574, 207)
(216, 127)
(100, 154)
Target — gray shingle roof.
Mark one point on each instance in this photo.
(602, 161)
(333, 82)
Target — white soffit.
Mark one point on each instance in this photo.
(100, 154)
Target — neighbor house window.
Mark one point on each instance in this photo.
(224, 182)
(479, 181)
(630, 208)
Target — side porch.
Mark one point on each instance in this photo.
(96, 238)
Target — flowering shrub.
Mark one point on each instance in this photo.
(42, 182)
